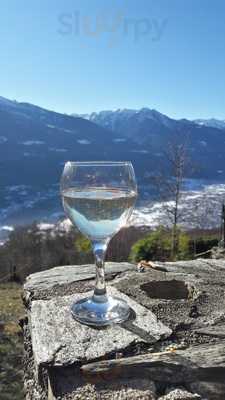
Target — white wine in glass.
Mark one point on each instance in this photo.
(99, 198)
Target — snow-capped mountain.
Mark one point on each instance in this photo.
(35, 143)
(151, 131)
(144, 123)
(128, 122)
(212, 123)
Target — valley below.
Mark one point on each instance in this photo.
(35, 143)
(201, 205)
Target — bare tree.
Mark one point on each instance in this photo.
(170, 186)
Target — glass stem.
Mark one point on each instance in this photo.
(99, 249)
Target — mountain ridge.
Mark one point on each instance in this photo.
(212, 122)
(35, 143)
(151, 113)
(34, 137)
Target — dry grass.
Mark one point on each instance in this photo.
(11, 375)
(11, 306)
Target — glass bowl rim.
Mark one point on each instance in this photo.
(99, 163)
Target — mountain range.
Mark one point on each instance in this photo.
(112, 119)
(151, 131)
(212, 123)
(35, 143)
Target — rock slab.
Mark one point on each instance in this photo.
(57, 339)
(132, 359)
(44, 280)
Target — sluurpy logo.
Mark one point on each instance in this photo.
(114, 26)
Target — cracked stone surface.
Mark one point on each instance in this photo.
(75, 362)
(122, 389)
(180, 394)
(58, 339)
(45, 280)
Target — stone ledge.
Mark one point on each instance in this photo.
(45, 280)
(59, 340)
(193, 357)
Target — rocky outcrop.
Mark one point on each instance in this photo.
(172, 348)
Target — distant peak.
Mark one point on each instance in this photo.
(3, 100)
(211, 123)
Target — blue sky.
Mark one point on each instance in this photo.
(88, 55)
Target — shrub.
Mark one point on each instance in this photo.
(83, 250)
(157, 246)
(184, 252)
(203, 244)
(154, 246)
(82, 244)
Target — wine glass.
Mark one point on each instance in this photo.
(99, 197)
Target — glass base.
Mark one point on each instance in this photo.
(100, 310)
